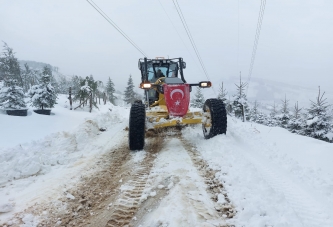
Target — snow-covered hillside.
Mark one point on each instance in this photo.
(253, 176)
(267, 91)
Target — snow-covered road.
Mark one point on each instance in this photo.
(253, 176)
(188, 201)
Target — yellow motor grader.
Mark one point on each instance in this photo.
(167, 99)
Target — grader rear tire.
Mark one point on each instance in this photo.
(215, 116)
(136, 134)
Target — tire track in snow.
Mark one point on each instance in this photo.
(120, 208)
(129, 202)
(302, 202)
(58, 199)
(181, 191)
(87, 198)
(214, 187)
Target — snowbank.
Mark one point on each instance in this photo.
(273, 177)
(28, 168)
(59, 148)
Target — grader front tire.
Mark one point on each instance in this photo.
(136, 134)
(215, 122)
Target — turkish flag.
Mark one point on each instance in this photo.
(177, 98)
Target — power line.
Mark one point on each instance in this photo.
(108, 19)
(238, 35)
(256, 39)
(182, 18)
(178, 33)
(191, 39)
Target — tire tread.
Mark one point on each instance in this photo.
(218, 117)
(136, 134)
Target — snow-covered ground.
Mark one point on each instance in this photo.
(60, 146)
(271, 176)
(18, 130)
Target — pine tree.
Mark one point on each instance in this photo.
(129, 92)
(274, 111)
(86, 90)
(76, 85)
(25, 77)
(296, 123)
(240, 100)
(99, 90)
(330, 133)
(229, 105)
(271, 122)
(272, 118)
(222, 93)
(9, 66)
(63, 84)
(30, 77)
(92, 83)
(43, 95)
(318, 123)
(110, 90)
(253, 114)
(12, 96)
(47, 71)
(284, 117)
(199, 99)
(262, 119)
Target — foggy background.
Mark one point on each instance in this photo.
(295, 45)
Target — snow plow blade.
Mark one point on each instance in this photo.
(162, 119)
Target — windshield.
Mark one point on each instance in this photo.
(156, 71)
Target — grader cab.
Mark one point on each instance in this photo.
(167, 100)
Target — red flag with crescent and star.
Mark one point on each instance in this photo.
(177, 98)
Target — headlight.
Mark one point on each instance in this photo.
(145, 85)
(205, 84)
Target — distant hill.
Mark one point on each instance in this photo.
(40, 65)
(266, 92)
(37, 65)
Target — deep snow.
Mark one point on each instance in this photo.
(34, 171)
(272, 177)
(18, 130)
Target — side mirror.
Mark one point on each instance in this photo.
(205, 84)
(184, 65)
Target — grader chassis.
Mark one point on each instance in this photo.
(167, 99)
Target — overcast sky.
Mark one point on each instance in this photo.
(296, 41)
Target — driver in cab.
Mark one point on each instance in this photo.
(159, 74)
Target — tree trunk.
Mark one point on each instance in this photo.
(91, 100)
(243, 113)
(70, 98)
